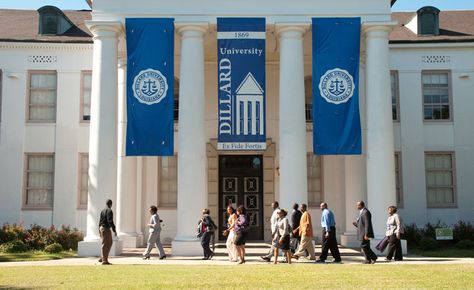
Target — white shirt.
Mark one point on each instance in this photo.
(274, 221)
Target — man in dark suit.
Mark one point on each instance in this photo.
(365, 232)
(106, 223)
(295, 224)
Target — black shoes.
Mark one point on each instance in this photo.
(320, 261)
(164, 257)
(146, 257)
(265, 258)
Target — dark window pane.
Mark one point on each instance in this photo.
(427, 99)
(436, 99)
(394, 112)
(309, 112)
(428, 114)
(86, 118)
(427, 23)
(436, 113)
(176, 110)
(445, 112)
(445, 99)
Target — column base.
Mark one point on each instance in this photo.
(131, 241)
(349, 240)
(186, 247)
(93, 248)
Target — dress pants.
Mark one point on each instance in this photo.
(205, 240)
(106, 237)
(154, 239)
(394, 247)
(368, 253)
(231, 247)
(330, 243)
(306, 245)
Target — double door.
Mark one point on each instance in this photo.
(240, 183)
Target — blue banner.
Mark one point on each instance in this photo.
(150, 86)
(241, 83)
(336, 121)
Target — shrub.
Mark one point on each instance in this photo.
(53, 248)
(13, 247)
(463, 231)
(12, 232)
(428, 244)
(39, 237)
(412, 235)
(69, 238)
(465, 244)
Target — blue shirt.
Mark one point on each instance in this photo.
(327, 220)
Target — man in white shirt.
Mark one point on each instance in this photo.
(273, 223)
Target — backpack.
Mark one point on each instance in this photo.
(201, 229)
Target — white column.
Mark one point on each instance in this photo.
(292, 152)
(103, 132)
(192, 160)
(380, 148)
(126, 169)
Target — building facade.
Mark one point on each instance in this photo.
(62, 122)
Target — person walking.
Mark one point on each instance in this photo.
(365, 231)
(154, 234)
(106, 223)
(207, 226)
(328, 223)
(305, 231)
(282, 238)
(273, 227)
(394, 230)
(241, 228)
(295, 237)
(230, 232)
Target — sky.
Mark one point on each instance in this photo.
(401, 5)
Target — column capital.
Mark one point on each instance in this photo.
(192, 29)
(372, 27)
(291, 29)
(105, 29)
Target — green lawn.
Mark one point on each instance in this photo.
(444, 253)
(34, 256)
(296, 276)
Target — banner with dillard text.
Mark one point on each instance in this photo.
(241, 83)
(150, 86)
(336, 121)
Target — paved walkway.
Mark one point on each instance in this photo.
(132, 256)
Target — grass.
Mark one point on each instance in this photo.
(34, 256)
(445, 252)
(296, 276)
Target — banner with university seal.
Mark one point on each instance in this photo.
(150, 86)
(241, 83)
(336, 120)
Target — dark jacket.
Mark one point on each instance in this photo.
(364, 225)
(107, 219)
(295, 219)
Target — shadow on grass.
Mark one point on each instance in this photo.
(2, 287)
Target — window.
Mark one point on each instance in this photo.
(315, 192)
(39, 180)
(168, 181)
(52, 21)
(440, 187)
(398, 179)
(395, 95)
(86, 82)
(42, 97)
(308, 93)
(436, 100)
(176, 100)
(428, 21)
(83, 179)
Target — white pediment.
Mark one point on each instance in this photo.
(249, 86)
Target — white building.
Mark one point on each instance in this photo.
(421, 157)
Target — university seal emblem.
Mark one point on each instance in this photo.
(150, 86)
(336, 86)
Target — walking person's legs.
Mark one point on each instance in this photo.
(324, 248)
(159, 246)
(391, 247)
(150, 244)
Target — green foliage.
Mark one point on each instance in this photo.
(463, 231)
(413, 235)
(13, 247)
(53, 248)
(37, 238)
(465, 244)
(428, 244)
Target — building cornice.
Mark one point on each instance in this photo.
(42, 45)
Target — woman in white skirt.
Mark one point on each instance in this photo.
(230, 232)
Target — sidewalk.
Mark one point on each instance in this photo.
(132, 256)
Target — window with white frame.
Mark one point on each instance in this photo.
(168, 181)
(440, 185)
(83, 179)
(398, 179)
(315, 188)
(86, 85)
(42, 96)
(39, 180)
(308, 87)
(395, 95)
(436, 100)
